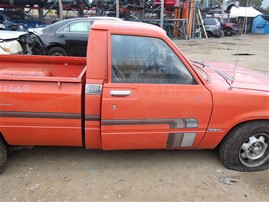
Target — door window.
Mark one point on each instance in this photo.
(146, 60)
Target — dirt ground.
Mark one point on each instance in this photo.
(76, 174)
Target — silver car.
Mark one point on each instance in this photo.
(213, 27)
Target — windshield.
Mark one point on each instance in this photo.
(20, 16)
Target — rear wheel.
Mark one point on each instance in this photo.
(246, 148)
(209, 34)
(3, 154)
(57, 51)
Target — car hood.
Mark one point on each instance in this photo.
(38, 31)
(10, 35)
(240, 77)
(27, 25)
(25, 22)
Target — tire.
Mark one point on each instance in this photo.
(246, 148)
(57, 51)
(228, 32)
(3, 154)
(209, 34)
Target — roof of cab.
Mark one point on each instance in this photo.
(129, 27)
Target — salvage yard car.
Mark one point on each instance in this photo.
(64, 38)
(134, 90)
(213, 27)
(230, 29)
(18, 21)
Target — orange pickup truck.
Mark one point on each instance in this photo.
(134, 90)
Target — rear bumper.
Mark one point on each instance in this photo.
(218, 33)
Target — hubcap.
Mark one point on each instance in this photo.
(253, 150)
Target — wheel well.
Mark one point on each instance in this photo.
(238, 125)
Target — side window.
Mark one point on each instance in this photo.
(146, 60)
(82, 26)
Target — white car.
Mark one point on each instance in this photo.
(14, 42)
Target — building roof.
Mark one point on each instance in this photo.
(244, 12)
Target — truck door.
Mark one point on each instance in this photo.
(153, 99)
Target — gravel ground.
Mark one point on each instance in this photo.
(249, 51)
(76, 174)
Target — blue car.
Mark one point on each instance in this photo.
(18, 21)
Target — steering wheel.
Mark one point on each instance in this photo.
(151, 62)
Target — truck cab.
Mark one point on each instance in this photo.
(149, 91)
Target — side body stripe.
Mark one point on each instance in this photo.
(48, 115)
(174, 140)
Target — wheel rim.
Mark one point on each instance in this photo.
(253, 151)
(58, 53)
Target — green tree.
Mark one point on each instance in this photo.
(264, 11)
(244, 3)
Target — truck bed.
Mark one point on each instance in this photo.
(41, 95)
(42, 68)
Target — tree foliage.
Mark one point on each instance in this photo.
(248, 3)
(264, 11)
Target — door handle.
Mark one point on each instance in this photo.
(120, 93)
(61, 36)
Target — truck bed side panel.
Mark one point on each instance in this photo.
(41, 113)
(66, 67)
